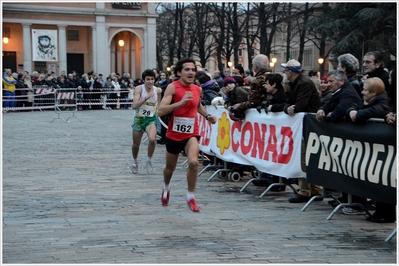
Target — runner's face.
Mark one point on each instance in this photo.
(149, 81)
(187, 75)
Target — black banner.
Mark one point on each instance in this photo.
(356, 158)
(126, 5)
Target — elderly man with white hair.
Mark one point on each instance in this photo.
(257, 94)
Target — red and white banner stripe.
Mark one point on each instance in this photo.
(66, 95)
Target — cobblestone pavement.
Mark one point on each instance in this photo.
(69, 196)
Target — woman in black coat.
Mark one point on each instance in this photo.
(375, 104)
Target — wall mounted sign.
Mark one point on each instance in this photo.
(126, 5)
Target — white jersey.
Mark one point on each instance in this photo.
(149, 107)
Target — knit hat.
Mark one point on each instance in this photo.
(239, 80)
(292, 65)
(228, 80)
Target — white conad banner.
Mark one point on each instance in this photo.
(270, 142)
(44, 45)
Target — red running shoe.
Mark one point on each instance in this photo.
(165, 198)
(192, 205)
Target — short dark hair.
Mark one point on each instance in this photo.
(202, 77)
(180, 63)
(312, 73)
(240, 69)
(377, 57)
(148, 73)
(275, 78)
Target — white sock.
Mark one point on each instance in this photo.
(166, 187)
(190, 195)
(148, 159)
(135, 161)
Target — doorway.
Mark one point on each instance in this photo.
(10, 61)
(75, 62)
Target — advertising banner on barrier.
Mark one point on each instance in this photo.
(270, 142)
(357, 158)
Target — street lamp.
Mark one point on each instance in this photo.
(230, 64)
(272, 66)
(320, 60)
(6, 35)
(168, 69)
(121, 43)
(274, 60)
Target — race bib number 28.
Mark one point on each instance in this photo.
(146, 110)
(183, 124)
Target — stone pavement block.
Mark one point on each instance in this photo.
(69, 197)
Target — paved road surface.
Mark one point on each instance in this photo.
(69, 196)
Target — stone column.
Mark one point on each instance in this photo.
(102, 50)
(62, 51)
(27, 41)
(151, 45)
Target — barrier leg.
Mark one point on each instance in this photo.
(73, 115)
(249, 182)
(391, 235)
(219, 171)
(322, 196)
(280, 182)
(349, 204)
(210, 166)
(58, 111)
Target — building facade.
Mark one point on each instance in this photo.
(92, 36)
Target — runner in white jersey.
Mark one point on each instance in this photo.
(145, 104)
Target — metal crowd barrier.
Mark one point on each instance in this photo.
(67, 100)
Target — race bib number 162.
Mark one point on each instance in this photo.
(183, 124)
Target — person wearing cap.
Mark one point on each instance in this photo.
(303, 97)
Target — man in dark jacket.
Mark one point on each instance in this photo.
(373, 67)
(343, 96)
(303, 97)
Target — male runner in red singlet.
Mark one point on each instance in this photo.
(182, 99)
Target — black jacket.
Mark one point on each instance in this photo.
(377, 108)
(278, 100)
(340, 101)
(382, 74)
(303, 95)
